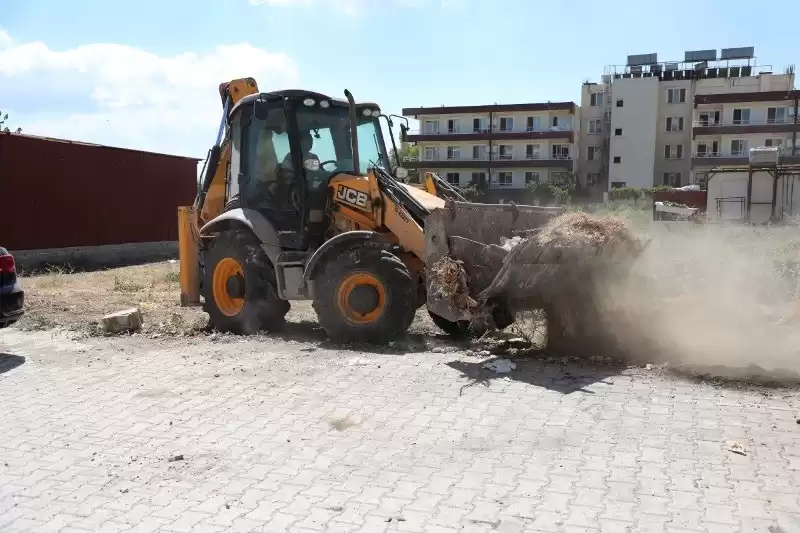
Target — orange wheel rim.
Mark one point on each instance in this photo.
(227, 268)
(344, 294)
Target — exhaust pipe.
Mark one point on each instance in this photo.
(353, 130)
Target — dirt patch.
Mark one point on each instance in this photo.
(77, 300)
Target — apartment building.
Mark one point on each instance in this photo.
(727, 125)
(505, 146)
(662, 123)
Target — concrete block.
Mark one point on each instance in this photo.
(121, 321)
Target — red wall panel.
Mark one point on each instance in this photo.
(55, 194)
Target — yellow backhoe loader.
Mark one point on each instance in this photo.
(299, 201)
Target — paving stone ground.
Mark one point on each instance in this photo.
(275, 435)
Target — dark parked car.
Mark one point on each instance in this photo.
(12, 297)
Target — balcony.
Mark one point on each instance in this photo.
(496, 134)
(496, 161)
(738, 127)
(738, 158)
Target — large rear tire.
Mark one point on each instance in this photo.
(365, 295)
(239, 285)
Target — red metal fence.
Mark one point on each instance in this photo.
(56, 194)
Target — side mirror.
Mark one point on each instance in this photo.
(401, 173)
(260, 109)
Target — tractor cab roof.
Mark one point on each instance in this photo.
(298, 94)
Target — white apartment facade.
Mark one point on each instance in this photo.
(503, 146)
(657, 123)
(727, 125)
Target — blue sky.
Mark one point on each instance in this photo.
(144, 74)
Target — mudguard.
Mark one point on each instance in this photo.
(251, 219)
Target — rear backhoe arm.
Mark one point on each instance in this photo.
(210, 199)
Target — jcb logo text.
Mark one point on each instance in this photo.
(352, 196)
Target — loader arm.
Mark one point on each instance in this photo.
(380, 203)
(435, 185)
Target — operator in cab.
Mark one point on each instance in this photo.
(306, 143)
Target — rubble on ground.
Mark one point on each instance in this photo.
(122, 321)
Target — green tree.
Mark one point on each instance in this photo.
(406, 150)
(3, 127)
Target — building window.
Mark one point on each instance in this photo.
(674, 124)
(773, 143)
(479, 178)
(454, 125)
(454, 178)
(596, 99)
(620, 103)
(561, 123)
(506, 123)
(560, 151)
(531, 177)
(776, 115)
(739, 147)
(617, 184)
(709, 118)
(617, 159)
(533, 151)
(533, 124)
(505, 151)
(592, 153)
(676, 96)
(673, 151)
(595, 126)
(453, 152)
(592, 178)
(479, 153)
(505, 179)
(618, 132)
(706, 149)
(741, 116)
(672, 179)
(480, 125)
(431, 154)
(431, 127)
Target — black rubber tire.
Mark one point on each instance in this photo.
(399, 286)
(262, 309)
(459, 329)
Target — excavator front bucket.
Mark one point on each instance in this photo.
(481, 256)
(467, 251)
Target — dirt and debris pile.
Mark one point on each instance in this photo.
(449, 279)
(578, 228)
(584, 254)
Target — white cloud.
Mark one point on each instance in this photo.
(125, 96)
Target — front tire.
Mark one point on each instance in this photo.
(239, 285)
(365, 295)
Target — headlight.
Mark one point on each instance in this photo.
(308, 102)
(367, 112)
(325, 104)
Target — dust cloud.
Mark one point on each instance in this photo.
(721, 299)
